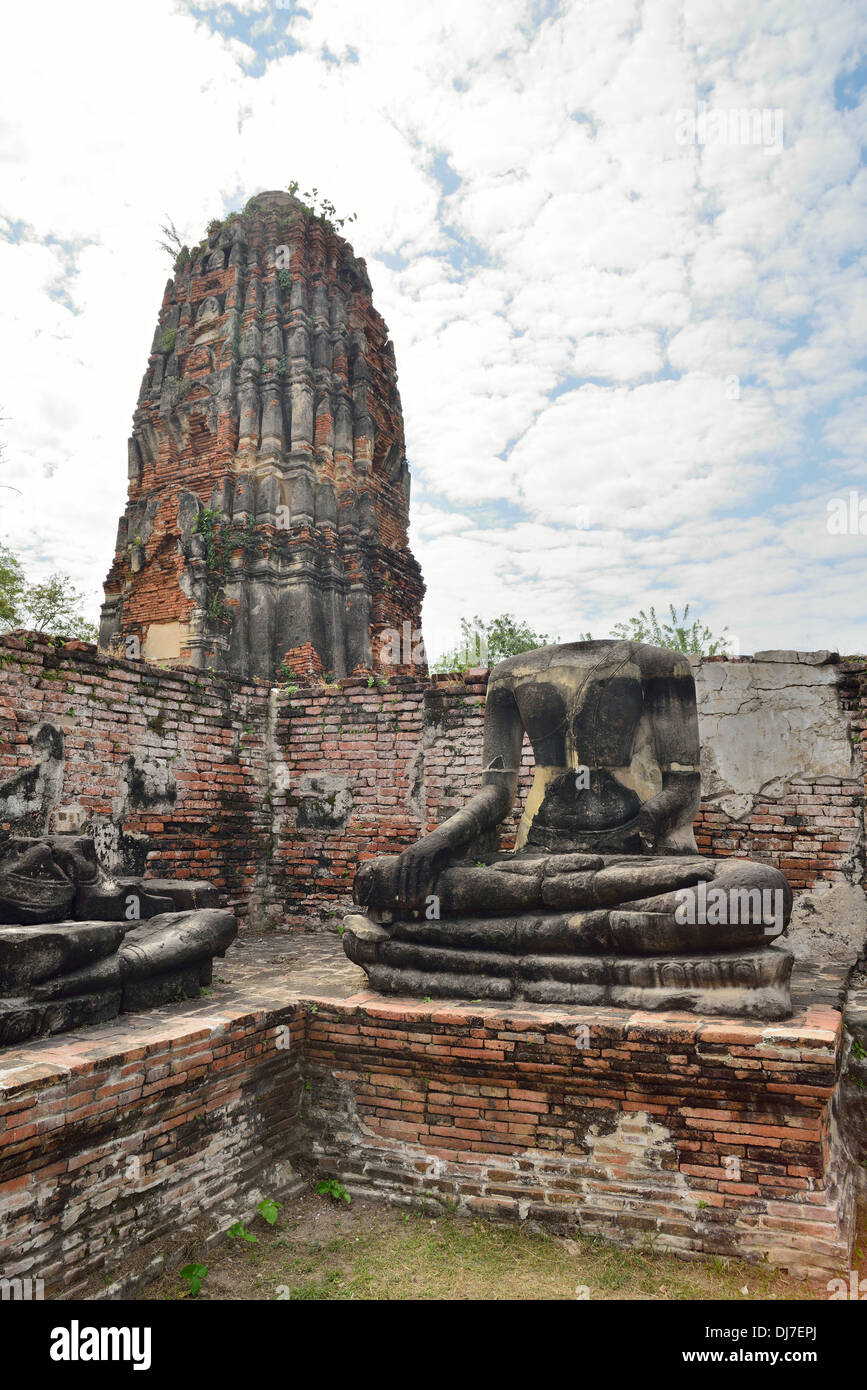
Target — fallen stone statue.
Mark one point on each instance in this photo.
(77, 947)
(605, 899)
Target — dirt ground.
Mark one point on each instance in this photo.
(322, 1247)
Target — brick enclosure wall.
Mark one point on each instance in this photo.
(111, 1145)
(276, 797)
(128, 1137)
(711, 1136)
(814, 832)
(813, 827)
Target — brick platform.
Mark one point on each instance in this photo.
(111, 1138)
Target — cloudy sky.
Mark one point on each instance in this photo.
(631, 330)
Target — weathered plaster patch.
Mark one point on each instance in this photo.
(324, 799)
(829, 924)
(764, 724)
(163, 641)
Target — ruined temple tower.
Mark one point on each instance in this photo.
(268, 483)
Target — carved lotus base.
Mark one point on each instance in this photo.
(492, 959)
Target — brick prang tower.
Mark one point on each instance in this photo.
(268, 483)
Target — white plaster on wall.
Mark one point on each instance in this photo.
(764, 723)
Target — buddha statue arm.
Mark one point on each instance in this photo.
(419, 865)
(665, 822)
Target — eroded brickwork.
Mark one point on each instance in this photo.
(812, 833)
(268, 482)
(810, 822)
(135, 1136)
(703, 1136)
(167, 771)
(708, 1136)
(277, 794)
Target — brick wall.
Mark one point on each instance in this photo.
(810, 821)
(276, 796)
(127, 1138)
(814, 832)
(169, 770)
(711, 1137)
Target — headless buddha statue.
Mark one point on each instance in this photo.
(605, 898)
(78, 946)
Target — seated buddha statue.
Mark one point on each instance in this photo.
(605, 898)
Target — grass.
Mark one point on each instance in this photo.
(319, 1251)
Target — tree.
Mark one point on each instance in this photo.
(53, 607)
(695, 638)
(12, 586)
(485, 643)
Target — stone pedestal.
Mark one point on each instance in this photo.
(402, 960)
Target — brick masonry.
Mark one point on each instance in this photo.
(276, 796)
(168, 771)
(268, 483)
(708, 1138)
(118, 1139)
(703, 1137)
(787, 746)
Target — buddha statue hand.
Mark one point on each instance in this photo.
(402, 882)
(662, 819)
(418, 869)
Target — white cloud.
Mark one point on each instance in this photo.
(592, 248)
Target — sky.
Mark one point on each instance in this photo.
(630, 325)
